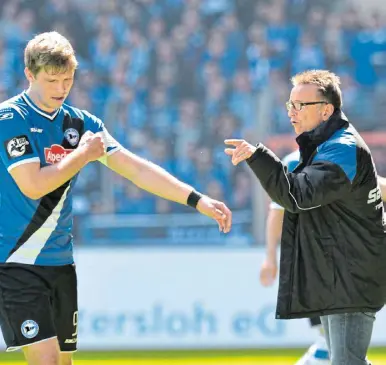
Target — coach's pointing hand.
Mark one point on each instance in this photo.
(242, 151)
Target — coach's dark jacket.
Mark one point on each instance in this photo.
(333, 249)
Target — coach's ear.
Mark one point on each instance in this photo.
(328, 111)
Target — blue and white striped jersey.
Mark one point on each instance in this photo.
(38, 232)
(291, 161)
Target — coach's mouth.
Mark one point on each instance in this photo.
(61, 98)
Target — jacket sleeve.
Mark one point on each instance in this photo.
(327, 179)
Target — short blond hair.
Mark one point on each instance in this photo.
(327, 82)
(49, 51)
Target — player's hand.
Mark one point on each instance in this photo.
(242, 150)
(268, 272)
(216, 210)
(85, 138)
(93, 145)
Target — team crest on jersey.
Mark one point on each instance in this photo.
(72, 136)
(55, 153)
(18, 146)
(29, 328)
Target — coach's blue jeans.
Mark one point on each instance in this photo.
(348, 337)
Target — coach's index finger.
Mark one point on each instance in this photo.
(234, 142)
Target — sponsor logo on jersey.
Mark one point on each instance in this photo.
(18, 146)
(36, 130)
(55, 153)
(29, 328)
(72, 136)
(71, 340)
(6, 116)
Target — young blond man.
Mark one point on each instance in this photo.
(44, 145)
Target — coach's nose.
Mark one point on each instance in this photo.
(291, 112)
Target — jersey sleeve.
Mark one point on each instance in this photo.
(16, 143)
(95, 125)
(275, 206)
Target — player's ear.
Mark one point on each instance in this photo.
(29, 75)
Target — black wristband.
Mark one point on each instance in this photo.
(193, 198)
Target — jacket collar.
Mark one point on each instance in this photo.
(323, 131)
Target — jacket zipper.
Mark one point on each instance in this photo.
(309, 161)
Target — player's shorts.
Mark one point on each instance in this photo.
(38, 303)
(315, 321)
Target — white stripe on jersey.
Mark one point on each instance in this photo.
(51, 117)
(22, 162)
(31, 249)
(118, 148)
(109, 142)
(275, 206)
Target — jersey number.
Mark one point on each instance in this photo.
(75, 323)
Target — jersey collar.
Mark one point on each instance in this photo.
(31, 104)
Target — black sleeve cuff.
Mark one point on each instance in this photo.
(259, 149)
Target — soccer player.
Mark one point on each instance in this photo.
(317, 354)
(44, 144)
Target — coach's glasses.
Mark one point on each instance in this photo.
(298, 105)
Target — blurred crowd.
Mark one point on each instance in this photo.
(172, 78)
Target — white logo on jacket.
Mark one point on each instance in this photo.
(374, 196)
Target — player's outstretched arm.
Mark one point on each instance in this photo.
(382, 185)
(36, 182)
(156, 180)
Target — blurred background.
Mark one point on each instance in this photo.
(171, 79)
